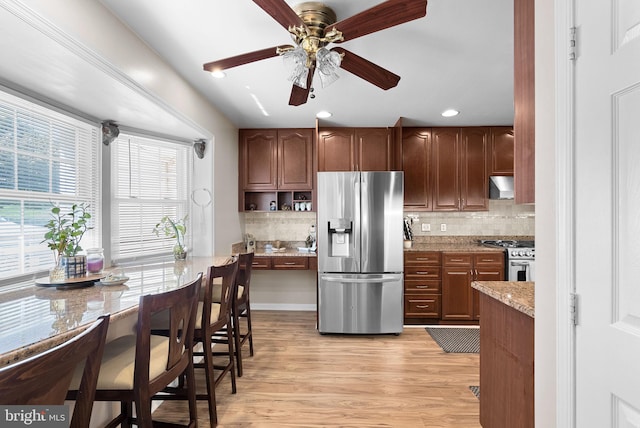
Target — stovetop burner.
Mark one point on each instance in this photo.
(508, 244)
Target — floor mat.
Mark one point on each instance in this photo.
(459, 340)
(476, 391)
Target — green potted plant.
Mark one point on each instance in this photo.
(64, 233)
(174, 229)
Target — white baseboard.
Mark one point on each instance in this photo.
(283, 306)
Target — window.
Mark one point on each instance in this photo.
(45, 158)
(149, 179)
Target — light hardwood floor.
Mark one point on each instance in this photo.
(299, 378)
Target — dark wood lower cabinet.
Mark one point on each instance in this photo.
(285, 263)
(506, 366)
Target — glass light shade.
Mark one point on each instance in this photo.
(328, 63)
(296, 62)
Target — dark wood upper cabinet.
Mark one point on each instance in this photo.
(295, 159)
(355, 149)
(273, 159)
(461, 181)
(336, 149)
(474, 177)
(524, 101)
(446, 171)
(374, 149)
(501, 152)
(416, 164)
(258, 159)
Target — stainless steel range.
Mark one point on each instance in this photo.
(520, 259)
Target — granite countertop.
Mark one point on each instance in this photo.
(516, 294)
(288, 252)
(452, 247)
(34, 318)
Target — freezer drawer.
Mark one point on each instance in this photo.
(360, 303)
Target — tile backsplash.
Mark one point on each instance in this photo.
(504, 218)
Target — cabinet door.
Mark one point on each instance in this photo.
(295, 159)
(446, 172)
(474, 185)
(374, 149)
(416, 164)
(336, 150)
(501, 157)
(487, 267)
(457, 299)
(258, 159)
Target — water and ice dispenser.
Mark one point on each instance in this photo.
(340, 232)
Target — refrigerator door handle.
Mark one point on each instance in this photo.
(328, 278)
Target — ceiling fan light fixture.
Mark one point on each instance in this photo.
(450, 113)
(295, 60)
(328, 63)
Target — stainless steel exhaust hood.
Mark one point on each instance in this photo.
(500, 187)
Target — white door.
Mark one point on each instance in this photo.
(607, 203)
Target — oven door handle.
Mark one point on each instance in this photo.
(519, 263)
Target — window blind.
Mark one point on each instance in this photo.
(149, 179)
(46, 158)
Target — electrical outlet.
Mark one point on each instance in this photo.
(426, 227)
(443, 227)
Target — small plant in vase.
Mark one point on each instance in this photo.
(174, 229)
(64, 233)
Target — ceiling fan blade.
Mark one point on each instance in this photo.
(384, 15)
(367, 70)
(299, 95)
(246, 58)
(281, 12)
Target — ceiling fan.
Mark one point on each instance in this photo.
(313, 26)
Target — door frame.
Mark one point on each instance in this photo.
(565, 215)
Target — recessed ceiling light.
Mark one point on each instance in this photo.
(218, 74)
(450, 113)
(323, 114)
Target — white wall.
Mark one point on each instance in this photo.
(546, 233)
(102, 33)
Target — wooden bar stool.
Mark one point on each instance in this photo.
(137, 367)
(213, 317)
(216, 317)
(241, 308)
(45, 378)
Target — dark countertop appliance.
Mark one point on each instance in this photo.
(520, 258)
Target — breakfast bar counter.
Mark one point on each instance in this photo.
(506, 353)
(35, 318)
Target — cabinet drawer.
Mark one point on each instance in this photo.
(422, 306)
(457, 259)
(489, 259)
(412, 286)
(423, 257)
(290, 263)
(261, 263)
(422, 272)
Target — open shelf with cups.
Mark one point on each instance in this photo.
(297, 201)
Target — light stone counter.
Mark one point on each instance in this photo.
(516, 294)
(34, 318)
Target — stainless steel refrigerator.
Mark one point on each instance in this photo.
(360, 255)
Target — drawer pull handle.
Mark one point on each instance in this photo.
(422, 306)
(422, 259)
(422, 286)
(456, 260)
(289, 263)
(422, 273)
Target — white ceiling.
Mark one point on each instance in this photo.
(459, 56)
